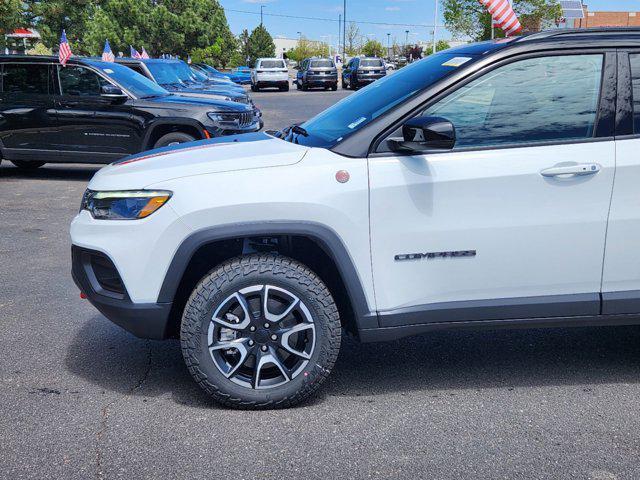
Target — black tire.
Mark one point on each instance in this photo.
(297, 86)
(237, 277)
(173, 138)
(344, 84)
(305, 87)
(27, 165)
(285, 87)
(253, 88)
(334, 87)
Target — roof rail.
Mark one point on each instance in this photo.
(575, 31)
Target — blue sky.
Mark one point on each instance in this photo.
(416, 12)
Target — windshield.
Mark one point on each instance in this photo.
(368, 62)
(201, 77)
(164, 73)
(137, 84)
(357, 110)
(321, 64)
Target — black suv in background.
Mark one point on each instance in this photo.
(96, 112)
(361, 71)
(317, 72)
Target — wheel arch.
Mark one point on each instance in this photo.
(161, 127)
(218, 244)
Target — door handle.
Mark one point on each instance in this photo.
(578, 170)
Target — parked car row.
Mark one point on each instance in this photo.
(92, 111)
(317, 73)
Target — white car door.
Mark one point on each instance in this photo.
(511, 223)
(621, 274)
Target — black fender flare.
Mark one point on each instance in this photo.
(326, 238)
(177, 122)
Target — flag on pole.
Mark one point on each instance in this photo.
(107, 54)
(503, 16)
(144, 53)
(135, 53)
(64, 53)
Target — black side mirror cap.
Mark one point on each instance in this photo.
(111, 91)
(425, 134)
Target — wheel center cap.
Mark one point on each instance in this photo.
(262, 336)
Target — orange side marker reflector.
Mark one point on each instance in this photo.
(207, 135)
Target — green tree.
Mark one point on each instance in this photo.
(178, 27)
(11, 17)
(243, 47)
(50, 17)
(373, 48)
(440, 45)
(261, 44)
(469, 18)
(307, 49)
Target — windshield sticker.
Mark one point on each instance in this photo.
(107, 70)
(356, 123)
(456, 61)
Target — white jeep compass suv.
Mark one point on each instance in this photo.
(493, 185)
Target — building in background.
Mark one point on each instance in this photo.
(284, 45)
(21, 40)
(607, 19)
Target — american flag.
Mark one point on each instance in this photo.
(64, 53)
(503, 16)
(144, 53)
(135, 53)
(107, 54)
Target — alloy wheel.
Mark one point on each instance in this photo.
(261, 337)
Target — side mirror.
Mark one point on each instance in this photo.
(425, 134)
(112, 92)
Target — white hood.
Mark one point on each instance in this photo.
(197, 158)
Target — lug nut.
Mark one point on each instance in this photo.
(251, 342)
(274, 337)
(252, 328)
(264, 348)
(266, 325)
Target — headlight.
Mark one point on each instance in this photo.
(124, 205)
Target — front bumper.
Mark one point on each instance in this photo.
(97, 277)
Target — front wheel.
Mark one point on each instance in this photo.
(173, 138)
(260, 331)
(27, 165)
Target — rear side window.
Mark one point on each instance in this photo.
(27, 79)
(272, 64)
(635, 78)
(80, 81)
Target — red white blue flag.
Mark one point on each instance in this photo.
(503, 16)
(144, 53)
(107, 54)
(135, 53)
(64, 53)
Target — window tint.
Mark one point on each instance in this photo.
(321, 64)
(30, 79)
(272, 64)
(371, 62)
(533, 100)
(80, 81)
(635, 78)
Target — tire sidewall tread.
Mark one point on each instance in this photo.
(250, 270)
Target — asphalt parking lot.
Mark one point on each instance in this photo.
(80, 398)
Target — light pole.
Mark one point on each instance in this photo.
(388, 43)
(261, 8)
(435, 25)
(344, 31)
(406, 38)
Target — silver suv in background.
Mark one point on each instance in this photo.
(270, 72)
(317, 72)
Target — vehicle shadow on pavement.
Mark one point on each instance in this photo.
(436, 364)
(63, 172)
